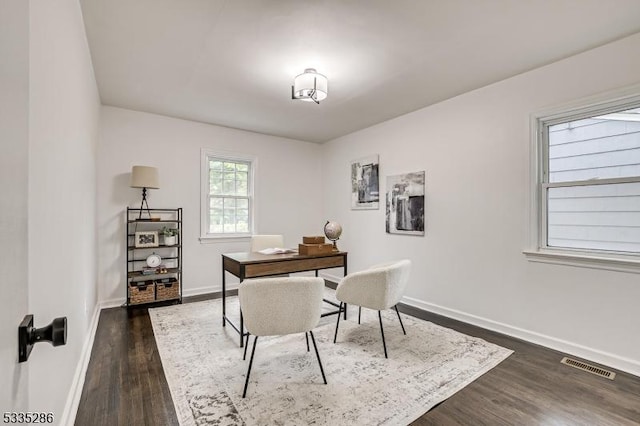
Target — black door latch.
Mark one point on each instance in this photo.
(54, 333)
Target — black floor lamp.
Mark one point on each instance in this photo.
(144, 177)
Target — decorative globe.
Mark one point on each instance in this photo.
(333, 230)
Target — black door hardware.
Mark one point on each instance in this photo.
(54, 333)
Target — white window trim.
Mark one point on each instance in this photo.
(205, 236)
(537, 250)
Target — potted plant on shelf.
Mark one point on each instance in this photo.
(170, 236)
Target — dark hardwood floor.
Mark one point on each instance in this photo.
(125, 383)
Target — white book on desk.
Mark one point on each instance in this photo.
(277, 250)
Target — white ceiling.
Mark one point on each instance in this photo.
(232, 62)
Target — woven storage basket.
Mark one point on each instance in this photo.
(142, 292)
(168, 290)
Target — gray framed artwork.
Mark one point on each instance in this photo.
(365, 184)
(405, 204)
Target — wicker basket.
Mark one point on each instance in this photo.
(168, 290)
(142, 292)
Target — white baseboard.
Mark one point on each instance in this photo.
(112, 303)
(75, 392)
(620, 363)
(204, 290)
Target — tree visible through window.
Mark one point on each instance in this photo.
(229, 196)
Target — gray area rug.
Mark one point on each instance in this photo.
(205, 371)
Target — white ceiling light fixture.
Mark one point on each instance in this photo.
(309, 86)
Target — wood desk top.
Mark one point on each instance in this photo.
(254, 257)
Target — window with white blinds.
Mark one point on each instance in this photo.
(590, 189)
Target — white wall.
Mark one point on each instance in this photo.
(63, 123)
(14, 143)
(288, 198)
(469, 265)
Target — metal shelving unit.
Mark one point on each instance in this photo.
(153, 284)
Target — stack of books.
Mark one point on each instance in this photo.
(162, 269)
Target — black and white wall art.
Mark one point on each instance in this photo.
(405, 204)
(365, 183)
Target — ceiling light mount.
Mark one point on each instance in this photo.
(310, 86)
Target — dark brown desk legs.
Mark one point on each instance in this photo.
(345, 274)
(241, 317)
(242, 329)
(224, 295)
(224, 309)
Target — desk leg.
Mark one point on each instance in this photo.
(241, 329)
(224, 296)
(345, 274)
(241, 317)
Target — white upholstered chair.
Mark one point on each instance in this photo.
(279, 306)
(379, 287)
(261, 242)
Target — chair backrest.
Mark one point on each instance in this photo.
(397, 276)
(379, 287)
(261, 242)
(283, 305)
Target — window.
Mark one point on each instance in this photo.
(227, 199)
(588, 181)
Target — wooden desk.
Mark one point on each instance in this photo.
(257, 265)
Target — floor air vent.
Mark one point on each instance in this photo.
(590, 368)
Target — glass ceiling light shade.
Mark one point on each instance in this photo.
(310, 86)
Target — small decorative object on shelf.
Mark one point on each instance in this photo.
(146, 239)
(154, 260)
(333, 230)
(170, 236)
(148, 271)
(154, 265)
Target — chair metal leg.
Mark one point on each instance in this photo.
(306, 335)
(359, 312)
(338, 323)
(318, 355)
(382, 331)
(253, 351)
(241, 328)
(402, 325)
(244, 357)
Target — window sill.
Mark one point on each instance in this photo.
(225, 239)
(619, 263)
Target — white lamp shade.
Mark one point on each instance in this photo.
(144, 177)
(305, 83)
